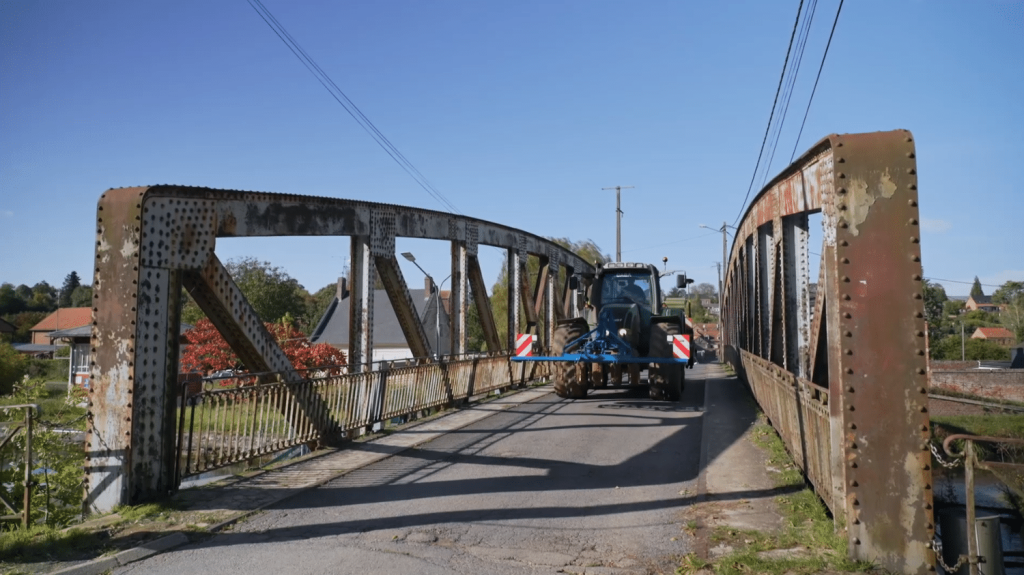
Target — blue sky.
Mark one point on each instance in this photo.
(518, 112)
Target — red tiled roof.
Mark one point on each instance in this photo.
(65, 318)
(993, 332)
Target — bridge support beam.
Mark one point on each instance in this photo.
(843, 380)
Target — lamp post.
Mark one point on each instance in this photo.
(436, 289)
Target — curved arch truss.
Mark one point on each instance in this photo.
(837, 361)
(153, 241)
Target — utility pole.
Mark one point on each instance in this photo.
(618, 220)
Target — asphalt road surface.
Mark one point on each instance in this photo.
(594, 486)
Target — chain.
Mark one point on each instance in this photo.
(949, 465)
(937, 546)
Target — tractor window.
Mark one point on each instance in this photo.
(627, 288)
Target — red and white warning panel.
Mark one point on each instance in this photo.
(680, 346)
(524, 344)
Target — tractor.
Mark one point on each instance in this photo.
(627, 334)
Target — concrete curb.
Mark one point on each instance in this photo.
(125, 557)
(104, 564)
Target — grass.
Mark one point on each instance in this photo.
(807, 529)
(995, 425)
(962, 395)
(42, 543)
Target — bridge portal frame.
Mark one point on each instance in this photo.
(153, 241)
(843, 380)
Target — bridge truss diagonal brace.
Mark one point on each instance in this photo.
(863, 345)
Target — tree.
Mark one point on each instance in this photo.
(23, 323)
(316, 306)
(207, 351)
(12, 367)
(704, 290)
(934, 299)
(976, 290)
(270, 291)
(949, 348)
(44, 297)
(71, 282)
(82, 296)
(10, 301)
(952, 307)
(1011, 296)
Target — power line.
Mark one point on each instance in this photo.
(813, 90)
(772, 115)
(961, 282)
(349, 105)
(715, 233)
(787, 94)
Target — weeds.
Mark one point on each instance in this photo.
(807, 542)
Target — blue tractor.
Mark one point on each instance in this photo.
(627, 334)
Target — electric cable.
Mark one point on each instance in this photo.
(813, 90)
(767, 128)
(349, 106)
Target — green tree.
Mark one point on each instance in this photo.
(10, 301)
(12, 367)
(316, 306)
(71, 282)
(270, 291)
(934, 300)
(952, 307)
(1011, 296)
(949, 348)
(976, 290)
(82, 296)
(44, 297)
(704, 291)
(23, 323)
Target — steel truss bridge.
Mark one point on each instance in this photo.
(842, 379)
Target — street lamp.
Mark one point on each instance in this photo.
(437, 302)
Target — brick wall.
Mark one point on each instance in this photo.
(997, 384)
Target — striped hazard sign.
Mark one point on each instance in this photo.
(524, 344)
(680, 346)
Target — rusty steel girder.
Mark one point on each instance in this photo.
(153, 241)
(843, 378)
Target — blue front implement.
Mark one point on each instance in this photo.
(598, 350)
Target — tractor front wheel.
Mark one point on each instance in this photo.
(570, 381)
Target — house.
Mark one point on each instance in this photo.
(388, 338)
(983, 302)
(77, 338)
(1000, 335)
(63, 318)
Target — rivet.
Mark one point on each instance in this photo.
(849, 370)
(924, 409)
(916, 277)
(914, 239)
(841, 160)
(912, 221)
(920, 333)
(856, 541)
(856, 521)
(912, 171)
(844, 243)
(849, 388)
(912, 186)
(846, 279)
(908, 139)
(846, 297)
(853, 425)
(917, 296)
(847, 315)
(918, 315)
(854, 483)
(910, 154)
(839, 144)
(845, 260)
(849, 351)
(853, 464)
(842, 207)
(920, 371)
(844, 225)
(922, 389)
(841, 175)
(850, 408)
(912, 203)
(848, 333)
(841, 191)
(915, 258)
(856, 502)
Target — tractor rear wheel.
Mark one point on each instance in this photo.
(666, 379)
(570, 381)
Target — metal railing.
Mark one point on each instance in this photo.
(10, 431)
(241, 419)
(1011, 474)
